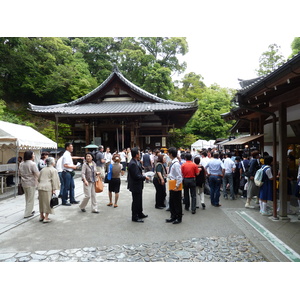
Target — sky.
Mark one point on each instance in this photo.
(237, 58)
(225, 38)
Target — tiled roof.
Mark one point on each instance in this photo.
(72, 107)
(254, 82)
(111, 108)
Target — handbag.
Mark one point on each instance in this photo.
(99, 185)
(53, 201)
(20, 189)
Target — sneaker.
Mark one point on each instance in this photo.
(247, 205)
(265, 213)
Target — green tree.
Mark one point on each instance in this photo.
(189, 88)
(295, 46)
(166, 50)
(179, 138)
(42, 71)
(207, 123)
(270, 60)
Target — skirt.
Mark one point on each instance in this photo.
(44, 202)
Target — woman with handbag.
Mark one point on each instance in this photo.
(48, 184)
(89, 177)
(29, 174)
(159, 182)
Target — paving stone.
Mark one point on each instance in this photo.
(6, 256)
(223, 249)
(38, 257)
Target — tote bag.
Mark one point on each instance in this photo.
(99, 185)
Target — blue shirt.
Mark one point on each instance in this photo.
(215, 166)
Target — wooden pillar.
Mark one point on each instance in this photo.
(282, 161)
(56, 133)
(132, 136)
(87, 133)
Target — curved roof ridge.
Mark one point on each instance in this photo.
(134, 87)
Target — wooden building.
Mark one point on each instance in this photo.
(118, 114)
(269, 109)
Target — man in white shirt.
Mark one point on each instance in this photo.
(59, 171)
(229, 167)
(175, 195)
(123, 156)
(67, 175)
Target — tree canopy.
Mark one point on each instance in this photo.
(270, 60)
(51, 70)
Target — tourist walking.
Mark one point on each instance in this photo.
(215, 174)
(89, 177)
(175, 193)
(189, 172)
(266, 190)
(115, 181)
(136, 185)
(159, 181)
(48, 184)
(200, 183)
(229, 167)
(29, 175)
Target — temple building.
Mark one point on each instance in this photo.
(118, 114)
(268, 108)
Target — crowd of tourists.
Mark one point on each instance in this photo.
(180, 178)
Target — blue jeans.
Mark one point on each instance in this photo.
(215, 185)
(228, 178)
(69, 185)
(61, 183)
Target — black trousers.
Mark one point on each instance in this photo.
(175, 205)
(160, 195)
(137, 204)
(189, 187)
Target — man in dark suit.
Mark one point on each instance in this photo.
(136, 185)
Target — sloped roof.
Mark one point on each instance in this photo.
(116, 107)
(247, 85)
(23, 137)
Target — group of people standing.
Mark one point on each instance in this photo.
(190, 172)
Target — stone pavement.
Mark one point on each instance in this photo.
(214, 234)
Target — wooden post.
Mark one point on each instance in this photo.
(282, 161)
(87, 134)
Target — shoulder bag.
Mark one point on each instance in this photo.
(99, 185)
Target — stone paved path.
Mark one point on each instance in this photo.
(211, 249)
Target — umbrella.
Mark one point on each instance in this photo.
(91, 146)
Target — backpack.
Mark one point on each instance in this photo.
(259, 176)
(109, 173)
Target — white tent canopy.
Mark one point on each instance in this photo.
(15, 139)
(200, 144)
(23, 137)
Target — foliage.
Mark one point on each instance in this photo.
(42, 71)
(207, 122)
(295, 46)
(189, 88)
(270, 60)
(180, 139)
